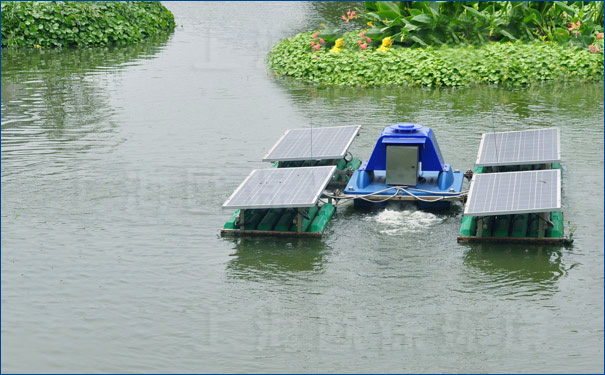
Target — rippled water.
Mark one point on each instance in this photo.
(115, 163)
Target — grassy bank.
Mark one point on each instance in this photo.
(82, 23)
(506, 64)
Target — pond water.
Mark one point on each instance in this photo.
(115, 163)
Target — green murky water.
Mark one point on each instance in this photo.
(115, 163)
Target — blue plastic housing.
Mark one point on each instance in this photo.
(436, 177)
(412, 134)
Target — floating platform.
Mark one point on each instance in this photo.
(531, 228)
(284, 200)
(515, 194)
(281, 222)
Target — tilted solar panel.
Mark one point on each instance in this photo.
(514, 193)
(281, 187)
(539, 146)
(313, 144)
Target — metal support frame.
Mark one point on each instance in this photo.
(241, 220)
(542, 220)
(526, 240)
(480, 227)
(266, 233)
(299, 221)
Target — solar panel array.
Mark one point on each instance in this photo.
(514, 193)
(539, 146)
(313, 144)
(281, 187)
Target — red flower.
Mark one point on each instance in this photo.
(363, 46)
(368, 40)
(321, 41)
(316, 47)
(599, 36)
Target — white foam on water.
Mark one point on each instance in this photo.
(394, 222)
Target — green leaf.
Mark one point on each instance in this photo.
(565, 7)
(422, 18)
(507, 34)
(476, 13)
(388, 6)
(418, 40)
(388, 15)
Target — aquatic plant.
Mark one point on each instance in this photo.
(507, 64)
(424, 23)
(82, 23)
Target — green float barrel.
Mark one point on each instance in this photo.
(354, 165)
(519, 227)
(311, 212)
(270, 219)
(252, 218)
(285, 221)
(557, 230)
(230, 224)
(309, 163)
(502, 225)
(323, 217)
(468, 227)
(488, 225)
(341, 165)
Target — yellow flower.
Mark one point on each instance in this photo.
(382, 49)
(335, 50)
(370, 24)
(387, 42)
(37, 46)
(340, 42)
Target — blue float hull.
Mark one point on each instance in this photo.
(431, 184)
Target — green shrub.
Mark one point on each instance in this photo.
(506, 64)
(82, 23)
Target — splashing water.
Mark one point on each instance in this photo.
(394, 222)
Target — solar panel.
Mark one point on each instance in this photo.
(539, 146)
(313, 144)
(514, 193)
(281, 187)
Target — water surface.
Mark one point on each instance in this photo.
(115, 163)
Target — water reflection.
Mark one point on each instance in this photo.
(276, 258)
(497, 106)
(330, 12)
(515, 269)
(56, 101)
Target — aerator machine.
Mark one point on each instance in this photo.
(514, 194)
(406, 165)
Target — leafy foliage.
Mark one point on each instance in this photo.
(82, 23)
(424, 23)
(507, 64)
